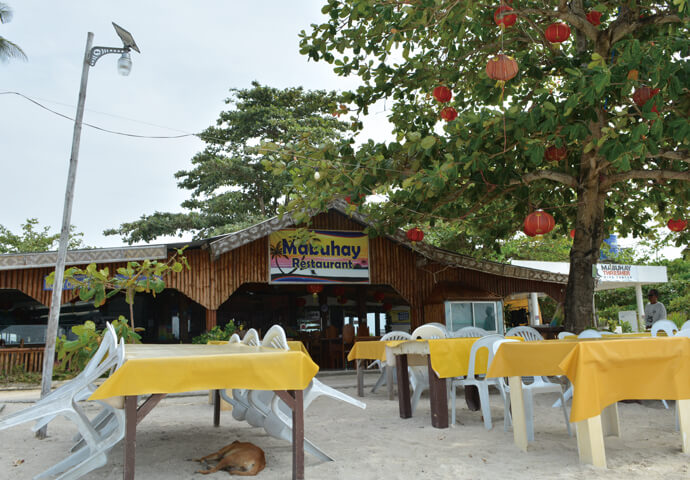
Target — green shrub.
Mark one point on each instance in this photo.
(217, 333)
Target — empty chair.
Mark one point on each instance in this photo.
(528, 391)
(667, 326)
(589, 333)
(234, 338)
(390, 362)
(686, 325)
(683, 332)
(528, 333)
(419, 375)
(251, 338)
(275, 337)
(562, 335)
(479, 380)
(470, 332)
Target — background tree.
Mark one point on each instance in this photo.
(230, 188)
(622, 163)
(8, 49)
(31, 240)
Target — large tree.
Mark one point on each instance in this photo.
(230, 188)
(8, 49)
(32, 239)
(626, 163)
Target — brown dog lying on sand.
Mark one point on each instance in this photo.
(238, 458)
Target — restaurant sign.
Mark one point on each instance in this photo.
(318, 256)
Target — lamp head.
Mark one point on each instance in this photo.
(124, 64)
(126, 37)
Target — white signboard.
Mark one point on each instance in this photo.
(612, 272)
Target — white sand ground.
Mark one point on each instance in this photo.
(367, 444)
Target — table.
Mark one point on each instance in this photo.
(445, 358)
(603, 372)
(158, 370)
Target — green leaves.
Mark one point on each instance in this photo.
(428, 142)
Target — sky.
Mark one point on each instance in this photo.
(192, 53)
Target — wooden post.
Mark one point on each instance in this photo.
(360, 377)
(403, 386)
(56, 300)
(590, 442)
(211, 319)
(438, 397)
(130, 446)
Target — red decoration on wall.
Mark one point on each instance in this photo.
(415, 234)
(677, 225)
(387, 307)
(339, 290)
(594, 18)
(643, 94)
(555, 154)
(538, 223)
(506, 20)
(501, 67)
(557, 32)
(449, 114)
(442, 94)
(379, 296)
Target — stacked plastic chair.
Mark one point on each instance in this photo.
(390, 362)
(96, 437)
(419, 376)
(470, 332)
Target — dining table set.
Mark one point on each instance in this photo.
(602, 371)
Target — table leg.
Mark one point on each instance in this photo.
(683, 407)
(517, 403)
(389, 382)
(298, 435)
(610, 423)
(438, 397)
(590, 442)
(130, 446)
(360, 377)
(216, 408)
(404, 404)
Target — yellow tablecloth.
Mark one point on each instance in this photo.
(604, 371)
(449, 356)
(295, 345)
(150, 369)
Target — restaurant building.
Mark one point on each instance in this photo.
(312, 282)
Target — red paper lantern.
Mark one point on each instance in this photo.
(572, 233)
(315, 289)
(300, 302)
(339, 290)
(349, 200)
(501, 67)
(538, 223)
(449, 114)
(557, 32)
(506, 20)
(379, 296)
(415, 234)
(554, 154)
(643, 94)
(594, 18)
(442, 94)
(387, 307)
(677, 225)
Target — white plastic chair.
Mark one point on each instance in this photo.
(234, 338)
(478, 380)
(390, 362)
(683, 332)
(667, 326)
(528, 391)
(590, 333)
(275, 338)
(562, 335)
(685, 326)
(528, 333)
(470, 332)
(419, 376)
(251, 338)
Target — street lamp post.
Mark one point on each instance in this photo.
(91, 56)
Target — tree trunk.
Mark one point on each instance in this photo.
(589, 235)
